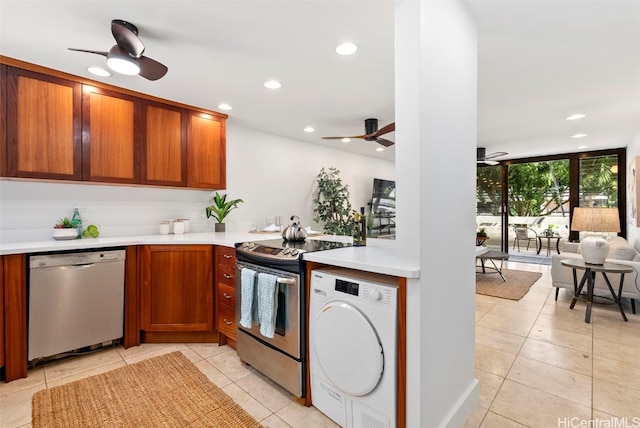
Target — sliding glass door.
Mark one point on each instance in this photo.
(519, 200)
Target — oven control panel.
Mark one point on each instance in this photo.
(270, 252)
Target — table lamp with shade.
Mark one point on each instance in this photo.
(595, 249)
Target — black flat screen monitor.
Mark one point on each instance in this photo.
(384, 196)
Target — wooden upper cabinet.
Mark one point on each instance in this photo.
(164, 152)
(110, 136)
(206, 148)
(42, 126)
(62, 127)
(3, 121)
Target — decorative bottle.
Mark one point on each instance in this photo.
(363, 227)
(77, 220)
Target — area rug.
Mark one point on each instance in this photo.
(164, 391)
(517, 284)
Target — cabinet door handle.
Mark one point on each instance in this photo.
(226, 321)
(226, 276)
(227, 256)
(226, 296)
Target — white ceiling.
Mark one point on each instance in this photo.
(539, 61)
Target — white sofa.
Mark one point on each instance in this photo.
(620, 252)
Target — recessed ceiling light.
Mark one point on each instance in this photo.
(379, 149)
(224, 106)
(309, 129)
(272, 84)
(98, 71)
(576, 116)
(581, 147)
(580, 135)
(346, 140)
(346, 48)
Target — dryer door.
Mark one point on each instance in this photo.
(347, 348)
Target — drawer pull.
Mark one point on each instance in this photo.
(227, 256)
(226, 296)
(227, 322)
(226, 276)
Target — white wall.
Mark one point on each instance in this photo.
(633, 150)
(436, 81)
(273, 175)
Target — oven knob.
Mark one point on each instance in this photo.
(375, 294)
(294, 253)
(286, 251)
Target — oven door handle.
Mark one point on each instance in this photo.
(288, 281)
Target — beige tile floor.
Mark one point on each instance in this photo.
(539, 365)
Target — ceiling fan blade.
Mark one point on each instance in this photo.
(384, 142)
(126, 35)
(384, 130)
(495, 155)
(151, 69)
(88, 51)
(340, 138)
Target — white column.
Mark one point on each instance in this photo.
(436, 86)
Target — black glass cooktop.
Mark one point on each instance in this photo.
(306, 246)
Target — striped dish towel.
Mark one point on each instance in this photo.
(247, 283)
(267, 303)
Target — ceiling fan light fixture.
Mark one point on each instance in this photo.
(123, 64)
(380, 149)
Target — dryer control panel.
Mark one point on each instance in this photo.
(369, 291)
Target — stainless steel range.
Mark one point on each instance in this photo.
(282, 357)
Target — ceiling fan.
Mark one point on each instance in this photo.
(483, 158)
(372, 133)
(126, 55)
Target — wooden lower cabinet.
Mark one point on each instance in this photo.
(2, 306)
(225, 259)
(177, 294)
(14, 285)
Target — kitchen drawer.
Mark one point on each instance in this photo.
(225, 277)
(227, 321)
(225, 256)
(226, 295)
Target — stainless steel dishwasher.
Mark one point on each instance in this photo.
(76, 300)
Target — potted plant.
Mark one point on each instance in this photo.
(65, 228)
(332, 203)
(481, 236)
(220, 209)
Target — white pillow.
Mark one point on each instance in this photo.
(620, 249)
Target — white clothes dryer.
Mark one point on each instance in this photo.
(353, 347)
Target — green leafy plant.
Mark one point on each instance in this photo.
(332, 205)
(66, 223)
(221, 207)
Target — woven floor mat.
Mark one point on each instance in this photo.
(164, 391)
(517, 284)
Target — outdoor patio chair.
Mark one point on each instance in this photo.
(524, 234)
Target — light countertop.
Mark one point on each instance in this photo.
(378, 256)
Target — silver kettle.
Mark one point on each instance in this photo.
(294, 232)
